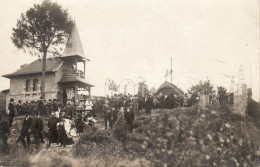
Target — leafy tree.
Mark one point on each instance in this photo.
(222, 95)
(142, 88)
(205, 87)
(113, 86)
(43, 29)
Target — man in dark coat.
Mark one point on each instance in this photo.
(148, 104)
(49, 107)
(26, 130)
(37, 129)
(140, 103)
(52, 125)
(129, 117)
(55, 105)
(69, 110)
(4, 131)
(62, 136)
(11, 109)
(107, 114)
(19, 108)
(40, 107)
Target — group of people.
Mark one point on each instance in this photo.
(78, 113)
(33, 122)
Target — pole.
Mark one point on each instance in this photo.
(251, 78)
(171, 70)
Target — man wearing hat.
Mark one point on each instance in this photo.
(52, 125)
(26, 130)
(11, 109)
(148, 104)
(107, 114)
(4, 130)
(129, 116)
(69, 110)
(19, 108)
(37, 129)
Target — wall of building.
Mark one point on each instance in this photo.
(18, 85)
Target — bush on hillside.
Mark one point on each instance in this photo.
(197, 138)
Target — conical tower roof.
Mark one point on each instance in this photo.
(74, 46)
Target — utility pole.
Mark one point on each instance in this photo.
(251, 78)
(171, 70)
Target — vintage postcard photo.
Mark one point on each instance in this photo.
(129, 83)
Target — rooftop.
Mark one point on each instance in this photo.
(52, 65)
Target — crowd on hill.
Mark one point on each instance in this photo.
(81, 114)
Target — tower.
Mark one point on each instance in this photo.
(73, 77)
(240, 97)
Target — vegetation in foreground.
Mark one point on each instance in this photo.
(183, 137)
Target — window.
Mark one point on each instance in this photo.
(35, 85)
(27, 85)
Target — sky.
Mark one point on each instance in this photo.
(134, 39)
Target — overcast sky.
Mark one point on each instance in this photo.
(128, 39)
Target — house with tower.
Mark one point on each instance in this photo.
(65, 75)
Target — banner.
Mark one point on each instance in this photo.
(70, 93)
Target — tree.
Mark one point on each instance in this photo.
(142, 88)
(43, 30)
(222, 95)
(113, 86)
(202, 87)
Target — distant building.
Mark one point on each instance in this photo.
(63, 78)
(168, 88)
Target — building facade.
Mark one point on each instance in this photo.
(63, 79)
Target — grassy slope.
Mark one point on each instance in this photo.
(199, 134)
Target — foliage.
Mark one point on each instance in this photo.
(252, 111)
(142, 88)
(42, 29)
(120, 130)
(205, 87)
(222, 95)
(113, 86)
(209, 137)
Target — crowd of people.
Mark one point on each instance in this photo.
(81, 114)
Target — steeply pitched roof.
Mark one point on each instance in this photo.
(74, 46)
(52, 65)
(168, 84)
(74, 78)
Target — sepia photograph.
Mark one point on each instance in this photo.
(129, 83)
